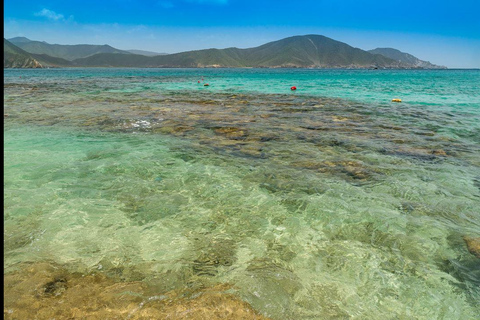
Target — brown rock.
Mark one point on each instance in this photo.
(439, 152)
(231, 133)
(473, 245)
(47, 291)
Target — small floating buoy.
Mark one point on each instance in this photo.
(198, 81)
(396, 100)
(206, 85)
(293, 88)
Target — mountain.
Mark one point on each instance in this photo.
(19, 40)
(309, 51)
(313, 51)
(14, 57)
(114, 60)
(146, 53)
(51, 62)
(67, 52)
(405, 58)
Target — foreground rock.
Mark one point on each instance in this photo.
(46, 291)
(473, 245)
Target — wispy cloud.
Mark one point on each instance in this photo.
(51, 15)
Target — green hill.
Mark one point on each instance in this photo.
(51, 62)
(310, 51)
(313, 51)
(14, 57)
(405, 58)
(114, 60)
(67, 52)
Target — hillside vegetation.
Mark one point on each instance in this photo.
(308, 51)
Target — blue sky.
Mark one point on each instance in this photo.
(442, 32)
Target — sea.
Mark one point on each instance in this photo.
(145, 189)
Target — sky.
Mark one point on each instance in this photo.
(442, 32)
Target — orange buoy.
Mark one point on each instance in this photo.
(293, 88)
(396, 100)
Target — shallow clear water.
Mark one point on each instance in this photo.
(327, 202)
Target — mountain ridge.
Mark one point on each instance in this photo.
(67, 52)
(404, 57)
(304, 51)
(309, 51)
(14, 57)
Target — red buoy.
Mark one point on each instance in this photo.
(198, 81)
(293, 88)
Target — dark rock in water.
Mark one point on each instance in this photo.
(467, 272)
(352, 169)
(232, 133)
(476, 182)
(175, 129)
(213, 253)
(473, 245)
(407, 207)
(414, 153)
(56, 287)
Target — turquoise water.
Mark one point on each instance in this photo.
(426, 87)
(328, 202)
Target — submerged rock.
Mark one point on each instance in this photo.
(351, 170)
(213, 253)
(232, 133)
(439, 152)
(473, 245)
(47, 291)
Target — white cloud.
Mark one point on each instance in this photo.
(51, 15)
